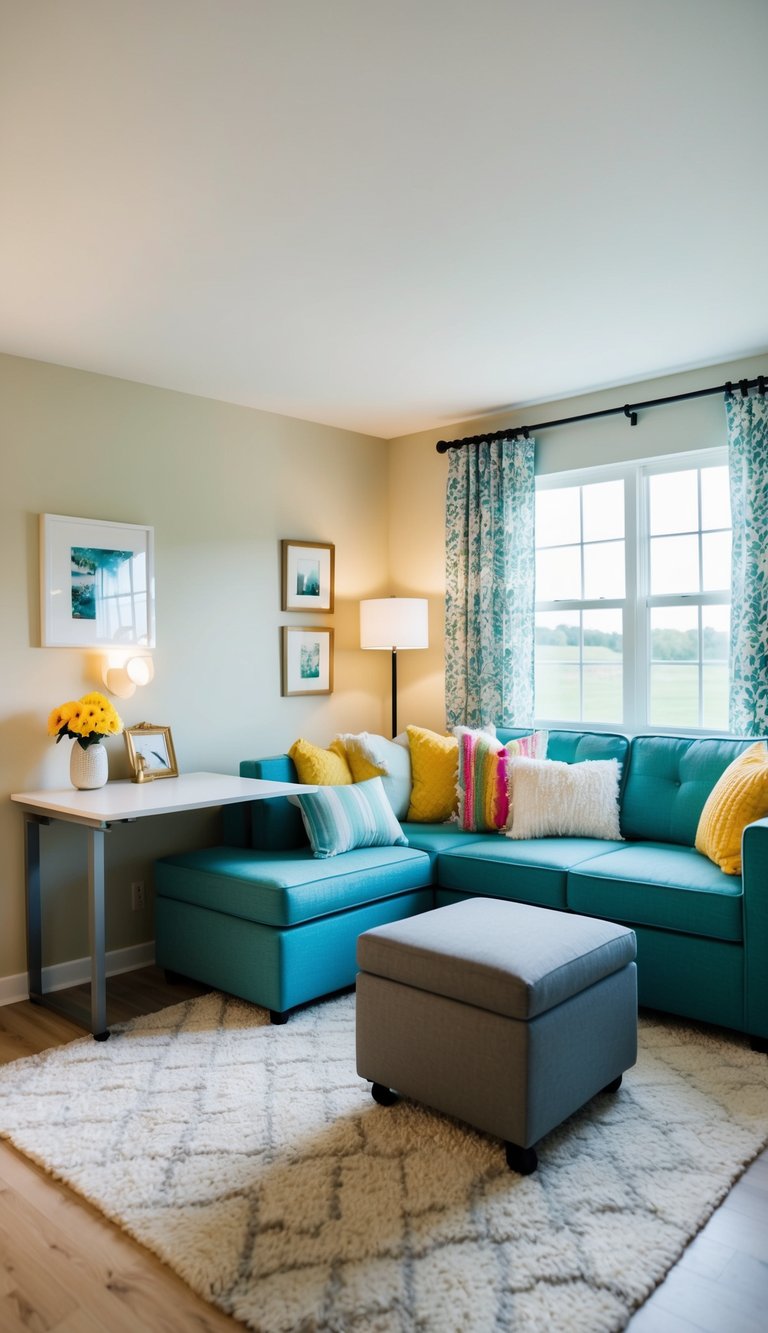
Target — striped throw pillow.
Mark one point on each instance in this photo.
(533, 746)
(482, 782)
(338, 819)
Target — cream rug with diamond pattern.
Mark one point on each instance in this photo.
(253, 1160)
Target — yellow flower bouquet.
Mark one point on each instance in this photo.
(87, 720)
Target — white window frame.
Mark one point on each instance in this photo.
(638, 601)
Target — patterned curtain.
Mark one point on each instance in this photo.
(748, 465)
(489, 629)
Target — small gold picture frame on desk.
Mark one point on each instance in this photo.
(150, 752)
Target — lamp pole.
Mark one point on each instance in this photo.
(394, 693)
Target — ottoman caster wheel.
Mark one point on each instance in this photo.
(384, 1096)
(522, 1160)
(614, 1086)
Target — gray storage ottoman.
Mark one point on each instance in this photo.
(507, 1016)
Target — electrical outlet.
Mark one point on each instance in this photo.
(138, 896)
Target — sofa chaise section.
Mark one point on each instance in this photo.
(269, 922)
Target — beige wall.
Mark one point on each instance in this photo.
(221, 485)
(417, 489)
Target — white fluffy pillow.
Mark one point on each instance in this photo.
(552, 799)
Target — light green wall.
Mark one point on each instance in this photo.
(221, 485)
(417, 489)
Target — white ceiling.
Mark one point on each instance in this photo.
(383, 214)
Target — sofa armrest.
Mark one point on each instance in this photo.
(755, 884)
(273, 825)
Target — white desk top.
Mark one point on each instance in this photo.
(136, 800)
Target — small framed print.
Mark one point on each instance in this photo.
(97, 583)
(150, 751)
(307, 575)
(307, 660)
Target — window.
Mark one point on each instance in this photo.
(580, 591)
(633, 595)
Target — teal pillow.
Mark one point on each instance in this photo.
(337, 819)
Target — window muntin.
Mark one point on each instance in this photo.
(580, 567)
(580, 542)
(633, 606)
(692, 505)
(689, 597)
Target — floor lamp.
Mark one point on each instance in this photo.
(394, 624)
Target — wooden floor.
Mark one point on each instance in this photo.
(65, 1269)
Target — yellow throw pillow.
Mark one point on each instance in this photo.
(434, 765)
(738, 797)
(321, 768)
(361, 766)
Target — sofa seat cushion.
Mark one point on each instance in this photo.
(533, 870)
(662, 885)
(285, 888)
(434, 838)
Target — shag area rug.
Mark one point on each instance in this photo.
(253, 1160)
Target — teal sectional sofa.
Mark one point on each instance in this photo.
(260, 917)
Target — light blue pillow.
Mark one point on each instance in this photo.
(337, 819)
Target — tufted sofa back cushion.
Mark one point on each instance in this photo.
(572, 747)
(668, 780)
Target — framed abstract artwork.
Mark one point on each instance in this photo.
(307, 660)
(97, 583)
(307, 575)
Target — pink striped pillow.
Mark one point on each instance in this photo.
(482, 782)
(533, 746)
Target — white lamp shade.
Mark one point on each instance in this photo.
(394, 623)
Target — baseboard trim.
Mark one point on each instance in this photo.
(77, 971)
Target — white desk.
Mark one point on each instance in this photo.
(117, 802)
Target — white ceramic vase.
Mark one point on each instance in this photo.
(88, 768)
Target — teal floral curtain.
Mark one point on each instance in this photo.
(489, 629)
(748, 465)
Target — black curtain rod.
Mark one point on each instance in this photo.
(629, 410)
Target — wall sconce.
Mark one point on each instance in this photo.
(122, 674)
(394, 623)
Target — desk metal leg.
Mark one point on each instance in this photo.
(34, 907)
(96, 934)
